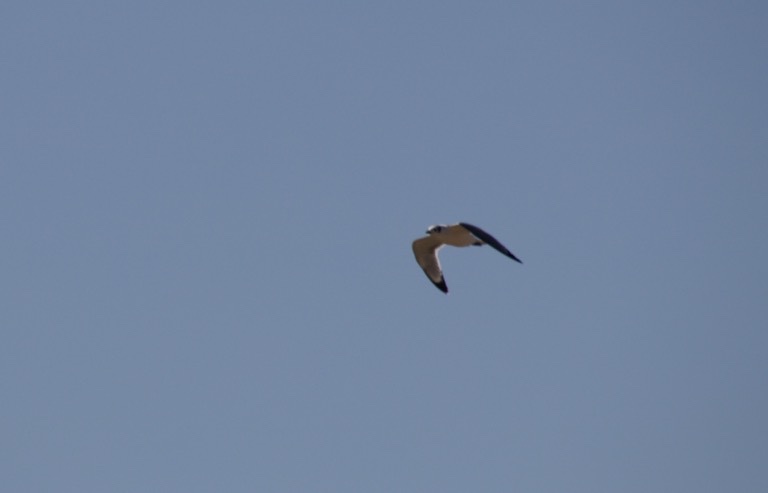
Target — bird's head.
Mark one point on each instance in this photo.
(437, 228)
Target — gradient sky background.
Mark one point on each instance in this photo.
(206, 274)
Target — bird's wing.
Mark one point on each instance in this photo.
(425, 250)
(487, 238)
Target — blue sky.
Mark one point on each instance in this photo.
(207, 280)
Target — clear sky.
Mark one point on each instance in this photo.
(206, 277)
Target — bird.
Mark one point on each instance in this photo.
(458, 235)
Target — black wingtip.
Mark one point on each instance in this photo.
(441, 286)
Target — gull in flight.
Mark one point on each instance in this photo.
(458, 235)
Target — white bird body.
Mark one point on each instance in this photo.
(458, 235)
(454, 235)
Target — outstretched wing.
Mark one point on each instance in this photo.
(425, 250)
(487, 238)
